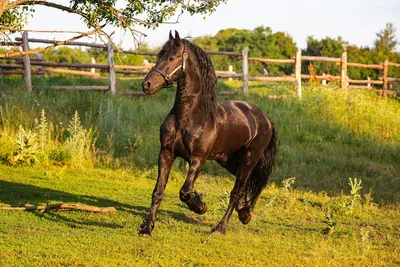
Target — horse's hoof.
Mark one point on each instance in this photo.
(145, 235)
(245, 218)
(218, 230)
(197, 206)
(203, 210)
(145, 232)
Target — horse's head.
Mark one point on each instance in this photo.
(171, 63)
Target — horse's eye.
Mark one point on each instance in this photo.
(171, 58)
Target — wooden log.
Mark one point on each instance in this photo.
(15, 58)
(139, 53)
(58, 207)
(81, 88)
(274, 79)
(128, 67)
(20, 72)
(385, 77)
(365, 81)
(321, 77)
(221, 53)
(45, 41)
(131, 72)
(237, 75)
(130, 78)
(11, 66)
(224, 72)
(70, 65)
(270, 60)
(393, 79)
(365, 66)
(72, 72)
(326, 59)
(245, 69)
(343, 74)
(394, 64)
(298, 73)
(388, 93)
(103, 46)
(27, 64)
(361, 87)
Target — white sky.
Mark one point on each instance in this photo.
(356, 21)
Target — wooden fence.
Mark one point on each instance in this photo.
(27, 62)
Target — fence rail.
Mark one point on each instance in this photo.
(23, 66)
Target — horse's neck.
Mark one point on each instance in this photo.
(187, 100)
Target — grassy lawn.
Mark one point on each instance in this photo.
(289, 227)
(327, 137)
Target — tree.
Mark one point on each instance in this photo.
(97, 14)
(386, 41)
(262, 42)
(327, 47)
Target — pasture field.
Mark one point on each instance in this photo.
(290, 227)
(310, 214)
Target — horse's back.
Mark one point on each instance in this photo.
(238, 123)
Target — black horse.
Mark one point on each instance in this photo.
(236, 134)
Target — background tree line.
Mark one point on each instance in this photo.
(263, 42)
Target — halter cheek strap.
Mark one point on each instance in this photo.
(168, 77)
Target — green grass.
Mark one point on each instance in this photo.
(326, 137)
(288, 226)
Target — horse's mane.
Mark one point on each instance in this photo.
(208, 79)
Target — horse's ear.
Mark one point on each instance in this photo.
(170, 36)
(177, 38)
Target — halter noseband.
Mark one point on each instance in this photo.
(168, 77)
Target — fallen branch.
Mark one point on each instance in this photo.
(57, 207)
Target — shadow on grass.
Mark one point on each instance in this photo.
(12, 193)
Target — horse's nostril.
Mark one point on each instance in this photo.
(146, 85)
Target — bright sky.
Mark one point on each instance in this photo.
(356, 21)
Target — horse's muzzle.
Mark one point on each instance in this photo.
(146, 85)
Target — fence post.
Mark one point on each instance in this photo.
(298, 73)
(230, 69)
(27, 63)
(344, 71)
(245, 67)
(93, 70)
(369, 84)
(385, 78)
(111, 69)
(323, 81)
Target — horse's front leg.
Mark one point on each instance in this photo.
(165, 161)
(186, 194)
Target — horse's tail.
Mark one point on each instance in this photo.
(261, 172)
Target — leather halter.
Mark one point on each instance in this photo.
(168, 77)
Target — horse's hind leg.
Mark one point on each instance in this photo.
(186, 194)
(247, 164)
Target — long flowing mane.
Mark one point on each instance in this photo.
(208, 79)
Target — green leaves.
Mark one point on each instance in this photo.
(262, 42)
(133, 13)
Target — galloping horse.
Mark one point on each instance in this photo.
(236, 134)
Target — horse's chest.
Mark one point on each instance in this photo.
(192, 140)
